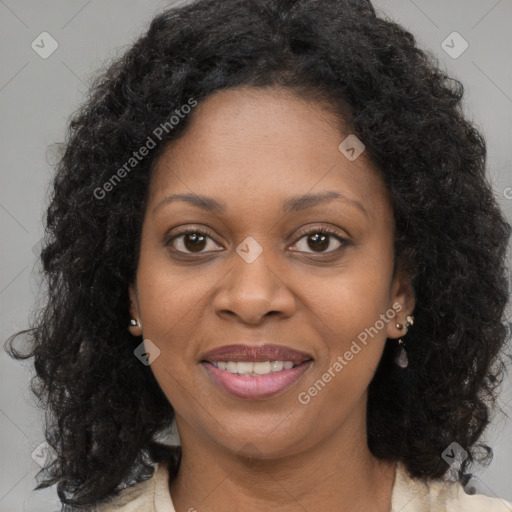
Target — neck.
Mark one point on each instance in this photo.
(338, 474)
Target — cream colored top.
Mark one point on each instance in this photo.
(409, 495)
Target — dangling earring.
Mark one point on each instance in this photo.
(401, 359)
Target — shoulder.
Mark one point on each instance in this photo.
(139, 497)
(413, 495)
(452, 496)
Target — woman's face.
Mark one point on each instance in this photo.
(264, 273)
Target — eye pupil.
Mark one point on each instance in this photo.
(194, 241)
(321, 239)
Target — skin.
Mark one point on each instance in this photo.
(252, 149)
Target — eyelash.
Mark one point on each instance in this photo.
(320, 230)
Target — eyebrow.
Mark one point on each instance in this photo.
(291, 205)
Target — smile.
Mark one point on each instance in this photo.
(250, 369)
(255, 380)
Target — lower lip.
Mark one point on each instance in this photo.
(263, 386)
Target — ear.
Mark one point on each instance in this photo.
(135, 330)
(403, 301)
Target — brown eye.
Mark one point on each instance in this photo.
(319, 240)
(194, 242)
(191, 241)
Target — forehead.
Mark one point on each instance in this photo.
(256, 146)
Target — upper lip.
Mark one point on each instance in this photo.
(255, 353)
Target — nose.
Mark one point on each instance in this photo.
(250, 292)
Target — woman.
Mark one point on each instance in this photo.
(271, 224)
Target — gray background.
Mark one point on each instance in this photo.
(37, 97)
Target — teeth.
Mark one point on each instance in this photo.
(244, 367)
(276, 366)
(250, 369)
(232, 367)
(261, 368)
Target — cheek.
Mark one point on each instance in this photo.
(170, 296)
(171, 305)
(350, 299)
(352, 312)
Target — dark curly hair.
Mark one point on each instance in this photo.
(105, 410)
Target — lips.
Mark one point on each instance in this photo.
(255, 353)
(244, 371)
